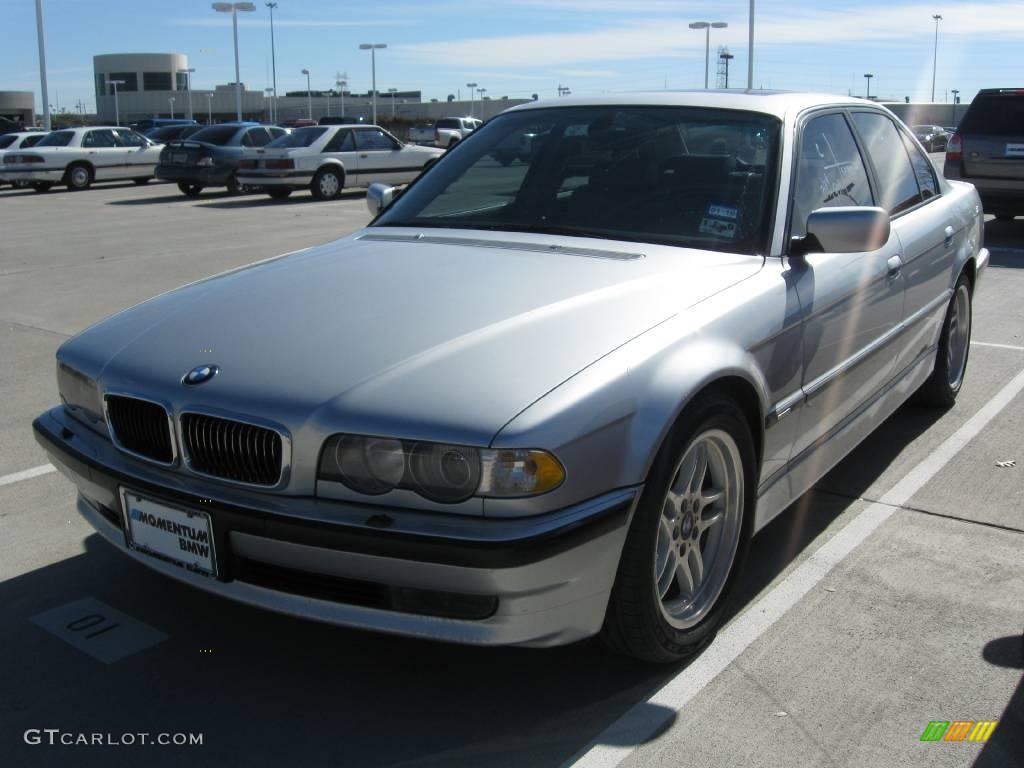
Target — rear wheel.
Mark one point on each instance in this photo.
(41, 186)
(943, 386)
(452, 143)
(190, 188)
(688, 538)
(234, 187)
(78, 177)
(327, 184)
(279, 194)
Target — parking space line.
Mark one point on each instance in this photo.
(647, 718)
(998, 346)
(27, 474)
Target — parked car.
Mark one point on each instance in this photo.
(300, 122)
(167, 133)
(328, 158)
(149, 123)
(422, 134)
(988, 150)
(526, 409)
(338, 120)
(10, 142)
(78, 157)
(932, 137)
(449, 131)
(210, 157)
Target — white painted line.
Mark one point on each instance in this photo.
(27, 474)
(644, 721)
(998, 346)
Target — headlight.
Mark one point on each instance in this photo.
(437, 471)
(79, 393)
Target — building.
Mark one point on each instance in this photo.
(18, 106)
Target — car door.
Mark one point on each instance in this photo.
(104, 152)
(851, 302)
(342, 146)
(925, 223)
(381, 158)
(140, 156)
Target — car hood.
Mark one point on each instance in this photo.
(436, 335)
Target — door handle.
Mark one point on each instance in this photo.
(948, 232)
(364, 156)
(895, 265)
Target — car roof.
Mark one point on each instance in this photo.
(777, 103)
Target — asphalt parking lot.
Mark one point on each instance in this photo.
(889, 596)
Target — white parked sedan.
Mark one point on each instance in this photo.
(327, 158)
(79, 156)
(10, 142)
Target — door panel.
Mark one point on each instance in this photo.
(380, 158)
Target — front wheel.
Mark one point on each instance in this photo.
(943, 386)
(688, 538)
(190, 189)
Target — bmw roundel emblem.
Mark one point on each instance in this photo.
(199, 375)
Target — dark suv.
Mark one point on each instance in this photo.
(988, 150)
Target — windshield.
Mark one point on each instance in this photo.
(216, 134)
(56, 139)
(700, 178)
(301, 137)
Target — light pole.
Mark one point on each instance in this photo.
(952, 119)
(372, 48)
(269, 93)
(117, 110)
(726, 57)
(42, 64)
(170, 100)
(481, 91)
(935, 57)
(392, 91)
(233, 9)
(188, 87)
(273, 63)
(867, 79)
(209, 109)
(471, 86)
(309, 94)
(707, 26)
(750, 49)
(342, 85)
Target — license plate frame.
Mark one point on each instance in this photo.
(157, 541)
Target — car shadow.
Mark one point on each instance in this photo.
(259, 199)
(1005, 240)
(1005, 747)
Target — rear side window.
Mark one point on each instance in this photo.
(56, 139)
(897, 183)
(31, 141)
(924, 171)
(448, 124)
(6, 141)
(341, 142)
(216, 134)
(300, 137)
(995, 114)
(830, 171)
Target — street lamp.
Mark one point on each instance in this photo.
(726, 57)
(867, 78)
(372, 48)
(273, 63)
(707, 26)
(342, 85)
(480, 92)
(42, 64)
(233, 9)
(117, 110)
(956, 93)
(269, 93)
(170, 100)
(188, 87)
(750, 49)
(392, 91)
(209, 109)
(935, 58)
(309, 94)
(471, 86)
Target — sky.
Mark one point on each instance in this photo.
(517, 48)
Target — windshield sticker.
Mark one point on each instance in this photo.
(718, 228)
(722, 212)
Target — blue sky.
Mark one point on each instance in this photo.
(520, 47)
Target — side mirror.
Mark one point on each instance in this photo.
(843, 230)
(379, 197)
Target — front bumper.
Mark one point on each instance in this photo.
(551, 575)
(208, 176)
(28, 175)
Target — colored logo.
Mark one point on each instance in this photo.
(958, 730)
(199, 375)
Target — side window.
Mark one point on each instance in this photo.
(341, 142)
(130, 139)
(277, 133)
(923, 170)
(830, 171)
(373, 139)
(259, 137)
(99, 139)
(898, 187)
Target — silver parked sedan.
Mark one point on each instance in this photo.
(537, 401)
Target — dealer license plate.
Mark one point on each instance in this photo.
(182, 536)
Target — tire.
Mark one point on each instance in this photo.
(41, 186)
(279, 194)
(1004, 216)
(452, 143)
(327, 184)
(143, 180)
(649, 616)
(78, 177)
(190, 189)
(234, 188)
(943, 386)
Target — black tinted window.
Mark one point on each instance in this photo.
(300, 137)
(341, 142)
(995, 114)
(156, 81)
(257, 137)
(128, 138)
(216, 134)
(99, 138)
(6, 141)
(924, 171)
(898, 188)
(56, 139)
(830, 171)
(371, 139)
(449, 123)
(31, 141)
